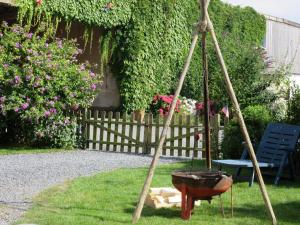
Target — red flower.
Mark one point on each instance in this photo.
(39, 2)
(161, 112)
(166, 99)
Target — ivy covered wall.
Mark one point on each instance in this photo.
(147, 41)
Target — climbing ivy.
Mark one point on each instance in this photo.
(146, 41)
(101, 13)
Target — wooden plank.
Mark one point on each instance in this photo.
(164, 118)
(102, 114)
(88, 128)
(196, 143)
(119, 144)
(172, 135)
(110, 116)
(112, 131)
(138, 133)
(188, 134)
(131, 132)
(95, 115)
(84, 127)
(146, 119)
(180, 122)
(117, 119)
(123, 124)
(157, 133)
(149, 137)
(215, 124)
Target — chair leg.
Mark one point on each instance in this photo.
(291, 167)
(278, 175)
(238, 171)
(252, 178)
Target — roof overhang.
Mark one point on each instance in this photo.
(280, 20)
(8, 2)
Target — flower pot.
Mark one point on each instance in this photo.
(139, 115)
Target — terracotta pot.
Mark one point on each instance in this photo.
(139, 114)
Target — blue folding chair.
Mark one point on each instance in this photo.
(277, 144)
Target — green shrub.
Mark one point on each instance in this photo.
(256, 118)
(293, 114)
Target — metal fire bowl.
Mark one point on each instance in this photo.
(202, 185)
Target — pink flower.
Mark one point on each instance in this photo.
(39, 2)
(93, 87)
(166, 99)
(25, 106)
(51, 103)
(82, 67)
(17, 79)
(17, 109)
(67, 121)
(28, 77)
(18, 45)
(53, 110)
(29, 35)
(92, 74)
(47, 113)
(2, 99)
(161, 112)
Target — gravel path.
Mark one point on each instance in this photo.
(24, 176)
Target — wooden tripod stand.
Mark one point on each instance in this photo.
(205, 26)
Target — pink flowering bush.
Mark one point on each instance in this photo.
(41, 79)
(161, 104)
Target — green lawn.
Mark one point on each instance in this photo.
(110, 198)
(26, 150)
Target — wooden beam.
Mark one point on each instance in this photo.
(137, 213)
(204, 6)
(242, 124)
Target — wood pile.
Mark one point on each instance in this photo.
(164, 197)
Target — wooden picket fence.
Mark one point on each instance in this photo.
(108, 131)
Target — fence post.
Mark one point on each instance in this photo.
(138, 133)
(172, 127)
(108, 142)
(117, 119)
(102, 114)
(82, 115)
(180, 122)
(88, 127)
(146, 133)
(124, 121)
(196, 133)
(131, 124)
(188, 133)
(157, 131)
(150, 123)
(95, 129)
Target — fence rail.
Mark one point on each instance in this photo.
(118, 132)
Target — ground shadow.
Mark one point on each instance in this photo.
(285, 212)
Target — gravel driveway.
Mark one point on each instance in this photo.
(25, 175)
